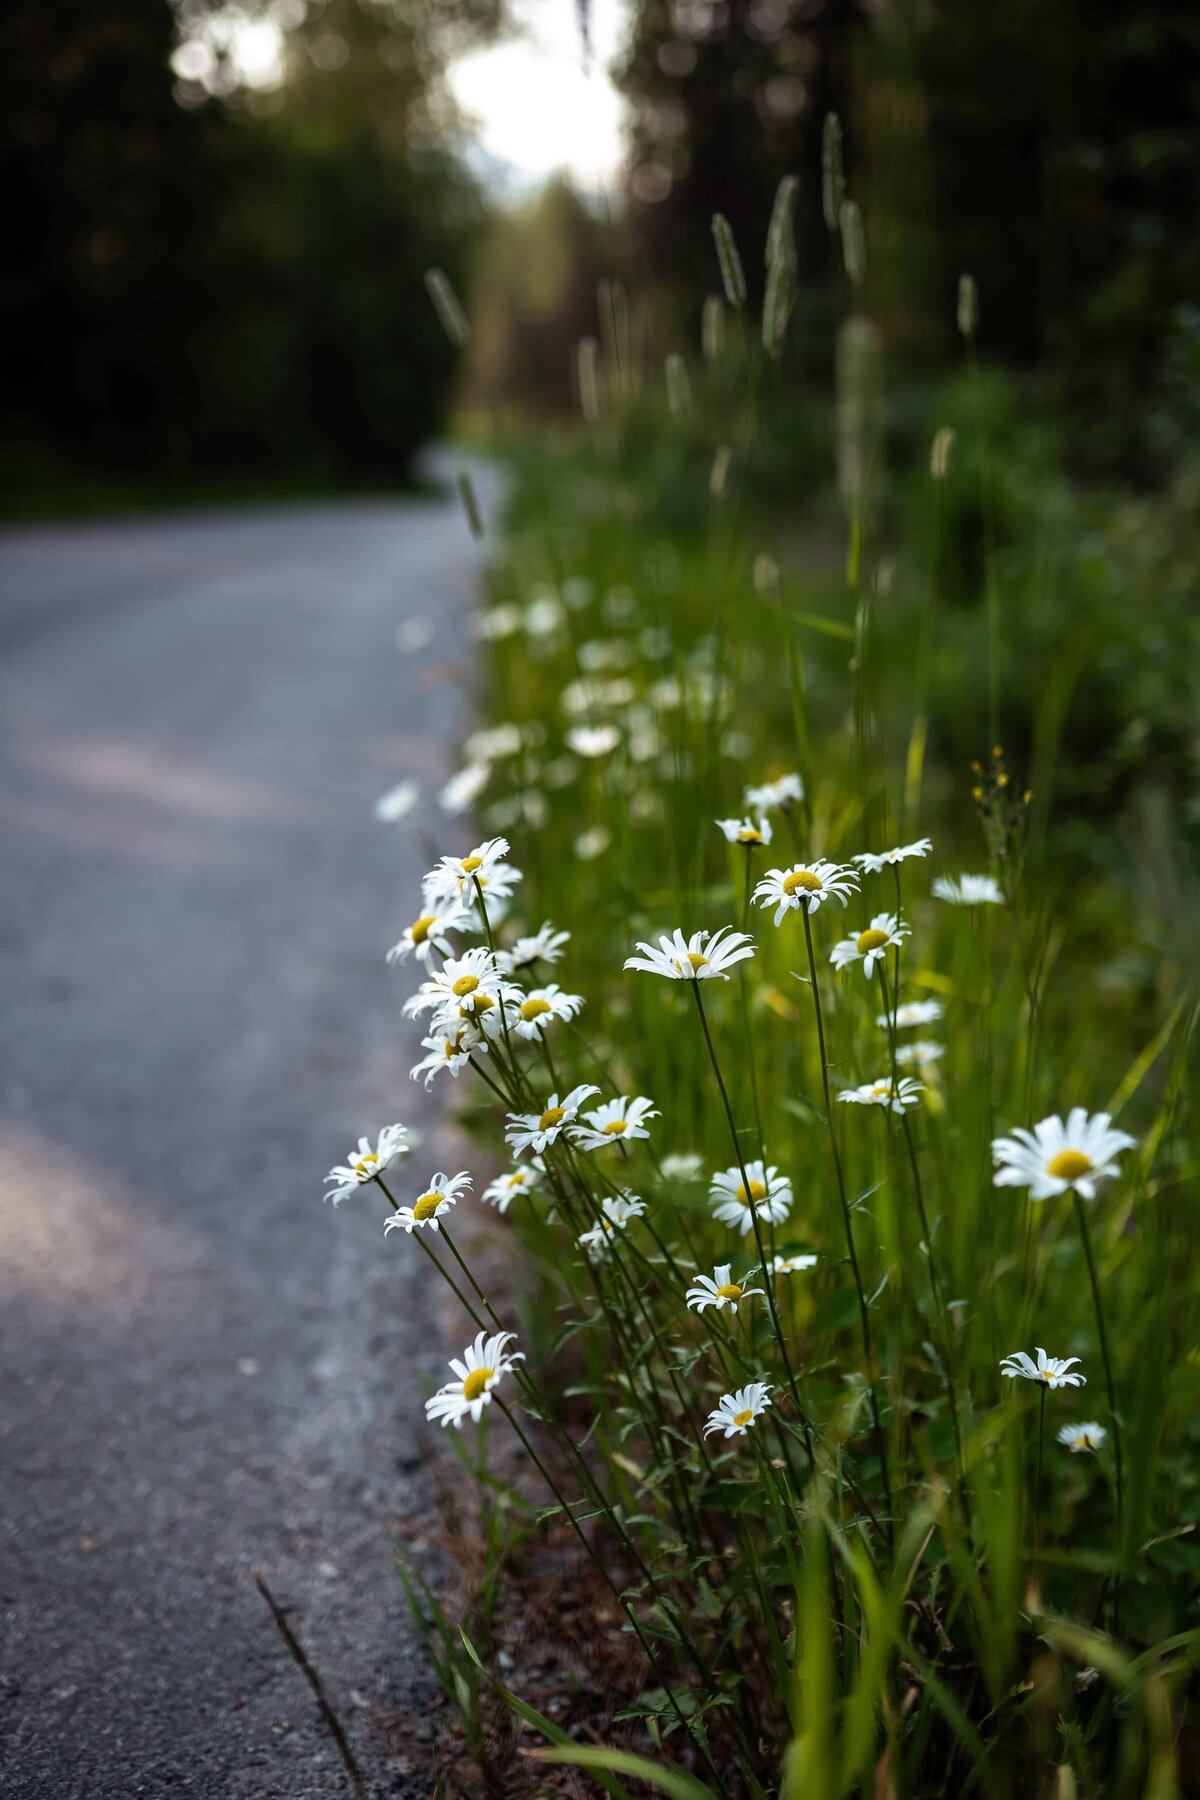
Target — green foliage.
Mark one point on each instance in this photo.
(897, 1584)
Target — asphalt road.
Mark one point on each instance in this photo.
(205, 1370)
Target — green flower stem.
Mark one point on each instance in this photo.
(863, 1314)
(1101, 1327)
(758, 1238)
(706, 1674)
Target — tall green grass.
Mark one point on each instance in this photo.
(897, 1582)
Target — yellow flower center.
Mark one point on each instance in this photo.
(533, 1009)
(743, 1418)
(466, 984)
(758, 1191)
(481, 1003)
(476, 1382)
(427, 1205)
(748, 835)
(419, 928)
(871, 940)
(1046, 1374)
(616, 1128)
(471, 863)
(802, 878)
(697, 961)
(730, 1291)
(517, 1180)
(365, 1166)
(1069, 1165)
(553, 1115)
(454, 1045)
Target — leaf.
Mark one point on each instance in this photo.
(676, 1783)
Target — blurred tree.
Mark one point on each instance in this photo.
(535, 285)
(727, 97)
(210, 275)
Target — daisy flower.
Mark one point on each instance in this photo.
(719, 1290)
(616, 1213)
(464, 788)
(397, 803)
(737, 1412)
(884, 931)
(367, 1163)
(793, 1265)
(469, 984)
(879, 1093)
(1082, 1437)
(682, 1166)
(437, 1199)
(537, 1011)
(702, 957)
(449, 1050)
(504, 1190)
(543, 945)
(769, 1196)
(1054, 1157)
(968, 890)
(787, 791)
(805, 884)
(873, 863)
(745, 831)
(533, 1131)
(426, 936)
(455, 876)
(913, 1012)
(615, 1122)
(593, 740)
(1055, 1371)
(921, 1053)
(477, 1373)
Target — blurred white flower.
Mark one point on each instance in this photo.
(682, 1166)
(915, 1012)
(1082, 1437)
(968, 890)
(786, 791)
(1054, 1157)
(464, 788)
(793, 1265)
(414, 633)
(398, 802)
(592, 843)
(593, 740)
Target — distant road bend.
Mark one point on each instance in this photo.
(205, 1370)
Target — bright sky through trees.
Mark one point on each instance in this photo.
(535, 106)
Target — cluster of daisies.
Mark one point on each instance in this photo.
(487, 998)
